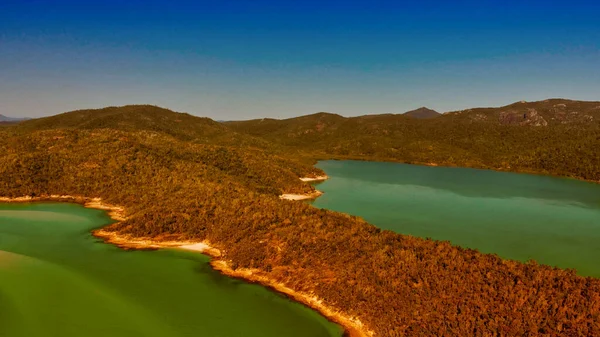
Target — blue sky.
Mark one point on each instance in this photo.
(248, 59)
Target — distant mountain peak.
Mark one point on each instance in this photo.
(422, 113)
(10, 119)
(325, 114)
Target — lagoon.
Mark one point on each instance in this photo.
(555, 221)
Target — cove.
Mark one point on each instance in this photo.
(554, 221)
(56, 279)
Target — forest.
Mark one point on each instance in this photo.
(557, 137)
(181, 177)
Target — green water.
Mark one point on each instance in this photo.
(57, 280)
(552, 220)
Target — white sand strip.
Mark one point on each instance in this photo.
(306, 196)
(198, 247)
(318, 178)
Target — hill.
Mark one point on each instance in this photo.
(422, 112)
(556, 137)
(7, 120)
(147, 118)
(549, 112)
(174, 187)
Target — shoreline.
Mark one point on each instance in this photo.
(351, 326)
(305, 196)
(449, 165)
(116, 213)
(317, 178)
(298, 197)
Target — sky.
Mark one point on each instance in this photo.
(232, 60)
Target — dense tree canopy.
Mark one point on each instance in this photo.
(181, 184)
(558, 137)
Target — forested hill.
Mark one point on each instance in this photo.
(148, 118)
(146, 127)
(556, 136)
(182, 178)
(550, 112)
(422, 112)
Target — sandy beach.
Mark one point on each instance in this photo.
(317, 178)
(297, 197)
(305, 196)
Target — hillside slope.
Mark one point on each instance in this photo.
(554, 137)
(550, 112)
(148, 118)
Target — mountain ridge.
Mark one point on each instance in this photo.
(149, 118)
(554, 136)
(423, 112)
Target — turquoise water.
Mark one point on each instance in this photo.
(57, 280)
(552, 220)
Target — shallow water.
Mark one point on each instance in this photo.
(554, 221)
(58, 280)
